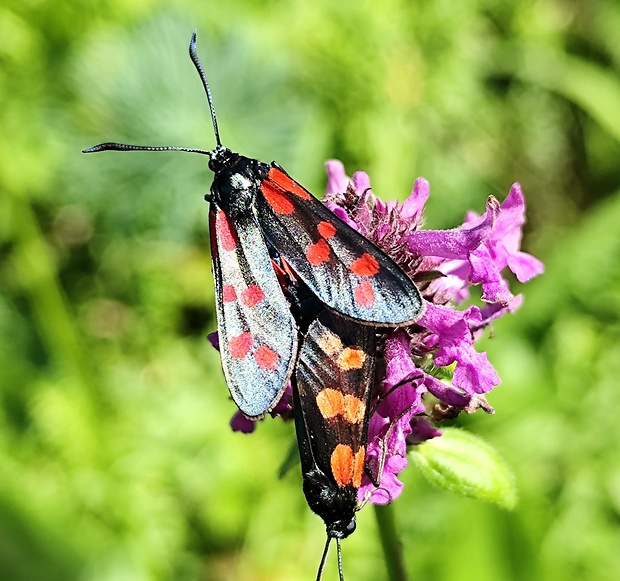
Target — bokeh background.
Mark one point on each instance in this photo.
(116, 460)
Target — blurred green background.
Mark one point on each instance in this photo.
(116, 461)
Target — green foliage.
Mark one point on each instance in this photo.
(116, 457)
(464, 464)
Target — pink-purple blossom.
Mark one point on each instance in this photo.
(430, 370)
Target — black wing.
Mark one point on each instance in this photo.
(342, 268)
(333, 381)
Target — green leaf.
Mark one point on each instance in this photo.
(594, 88)
(465, 464)
(290, 461)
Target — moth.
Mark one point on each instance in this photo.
(320, 332)
(254, 205)
(332, 393)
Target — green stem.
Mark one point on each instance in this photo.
(390, 542)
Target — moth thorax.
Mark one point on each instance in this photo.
(235, 192)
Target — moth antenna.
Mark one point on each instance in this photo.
(319, 574)
(339, 550)
(203, 77)
(112, 146)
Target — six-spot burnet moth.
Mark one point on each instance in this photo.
(331, 401)
(255, 206)
(332, 389)
(252, 203)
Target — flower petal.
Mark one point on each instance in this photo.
(457, 242)
(473, 372)
(361, 182)
(239, 423)
(422, 430)
(525, 266)
(413, 206)
(337, 179)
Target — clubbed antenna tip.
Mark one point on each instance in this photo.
(203, 77)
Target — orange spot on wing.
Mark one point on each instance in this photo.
(228, 293)
(364, 294)
(354, 409)
(318, 253)
(365, 265)
(252, 295)
(240, 345)
(326, 229)
(279, 203)
(226, 234)
(288, 184)
(358, 467)
(342, 463)
(266, 358)
(351, 358)
(330, 403)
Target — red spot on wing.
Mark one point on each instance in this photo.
(326, 229)
(365, 265)
(252, 295)
(240, 345)
(288, 184)
(266, 358)
(279, 203)
(226, 233)
(364, 294)
(318, 253)
(351, 358)
(228, 293)
(354, 409)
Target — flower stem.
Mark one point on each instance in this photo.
(392, 546)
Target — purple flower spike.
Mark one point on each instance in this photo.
(429, 371)
(445, 264)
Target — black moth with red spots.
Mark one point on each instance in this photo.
(332, 389)
(331, 400)
(351, 288)
(253, 204)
